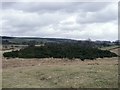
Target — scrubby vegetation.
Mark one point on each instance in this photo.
(61, 51)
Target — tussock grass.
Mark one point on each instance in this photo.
(80, 74)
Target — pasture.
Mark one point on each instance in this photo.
(60, 73)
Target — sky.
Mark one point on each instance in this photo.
(71, 20)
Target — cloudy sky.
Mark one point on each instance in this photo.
(73, 20)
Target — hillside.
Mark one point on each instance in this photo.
(6, 40)
(37, 40)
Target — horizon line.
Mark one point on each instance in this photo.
(56, 38)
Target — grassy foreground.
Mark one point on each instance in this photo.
(88, 74)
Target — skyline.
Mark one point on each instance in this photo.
(70, 20)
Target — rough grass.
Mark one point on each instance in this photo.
(88, 74)
(51, 73)
(110, 47)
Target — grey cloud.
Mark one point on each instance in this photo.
(55, 6)
(105, 15)
(55, 20)
(24, 19)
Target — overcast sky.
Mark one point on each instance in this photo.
(73, 20)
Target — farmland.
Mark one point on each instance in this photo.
(60, 73)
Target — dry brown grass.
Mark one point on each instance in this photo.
(60, 73)
(17, 62)
(57, 73)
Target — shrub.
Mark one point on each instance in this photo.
(61, 51)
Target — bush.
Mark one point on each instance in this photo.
(61, 51)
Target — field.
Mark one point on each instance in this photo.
(60, 73)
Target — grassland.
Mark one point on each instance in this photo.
(60, 73)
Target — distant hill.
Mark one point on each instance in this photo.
(6, 37)
(26, 40)
(37, 40)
